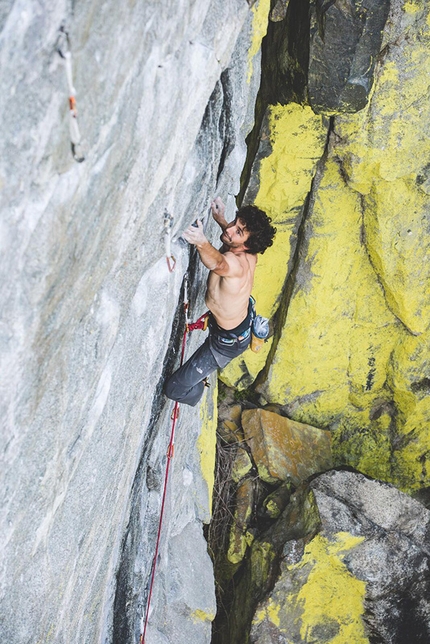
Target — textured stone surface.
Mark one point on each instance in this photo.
(345, 40)
(350, 351)
(242, 464)
(292, 141)
(229, 413)
(91, 318)
(276, 502)
(283, 449)
(240, 539)
(364, 577)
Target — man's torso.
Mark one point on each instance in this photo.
(228, 297)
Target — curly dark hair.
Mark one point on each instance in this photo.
(257, 223)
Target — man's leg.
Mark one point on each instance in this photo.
(186, 384)
(225, 350)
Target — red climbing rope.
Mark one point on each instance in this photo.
(202, 324)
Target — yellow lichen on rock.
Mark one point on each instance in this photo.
(396, 212)
(361, 280)
(199, 615)
(331, 594)
(242, 371)
(412, 7)
(317, 599)
(410, 382)
(297, 138)
(385, 151)
(366, 267)
(270, 611)
(259, 28)
(206, 444)
(242, 465)
(334, 348)
(239, 536)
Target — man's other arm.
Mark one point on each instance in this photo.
(224, 265)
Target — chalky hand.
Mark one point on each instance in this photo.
(194, 234)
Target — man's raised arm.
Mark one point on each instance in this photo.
(218, 212)
(223, 265)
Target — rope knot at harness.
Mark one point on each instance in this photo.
(201, 323)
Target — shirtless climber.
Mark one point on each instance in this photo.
(228, 295)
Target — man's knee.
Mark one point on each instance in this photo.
(177, 392)
(171, 388)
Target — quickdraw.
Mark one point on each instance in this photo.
(168, 223)
(63, 48)
(202, 324)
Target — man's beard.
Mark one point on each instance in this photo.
(226, 240)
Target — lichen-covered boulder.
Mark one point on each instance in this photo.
(241, 465)
(364, 577)
(283, 449)
(277, 500)
(299, 520)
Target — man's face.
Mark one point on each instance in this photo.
(235, 235)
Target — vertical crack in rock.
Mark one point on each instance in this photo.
(284, 64)
(226, 129)
(253, 141)
(215, 141)
(131, 584)
(299, 253)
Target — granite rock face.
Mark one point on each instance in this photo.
(91, 316)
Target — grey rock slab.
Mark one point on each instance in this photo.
(374, 505)
(394, 558)
(90, 314)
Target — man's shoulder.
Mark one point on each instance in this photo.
(241, 254)
(240, 263)
(240, 257)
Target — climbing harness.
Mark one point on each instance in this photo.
(63, 48)
(202, 324)
(168, 223)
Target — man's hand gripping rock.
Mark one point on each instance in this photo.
(194, 234)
